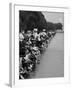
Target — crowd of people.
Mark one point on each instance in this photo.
(32, 44)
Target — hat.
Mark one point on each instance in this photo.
(44, 29)
(35, 29)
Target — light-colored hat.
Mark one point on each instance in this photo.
(35, 48)
(44, 29)
(35, 29)
(29, 31)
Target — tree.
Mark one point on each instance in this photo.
(50, 26)
(58, 26)
(30, 20)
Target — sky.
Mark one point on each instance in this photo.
(54, 17)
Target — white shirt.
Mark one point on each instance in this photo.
(21, 37)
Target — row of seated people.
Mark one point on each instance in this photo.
(31, 45)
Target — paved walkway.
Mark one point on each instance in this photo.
(52, 62)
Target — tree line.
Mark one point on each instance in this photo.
(28, 20)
